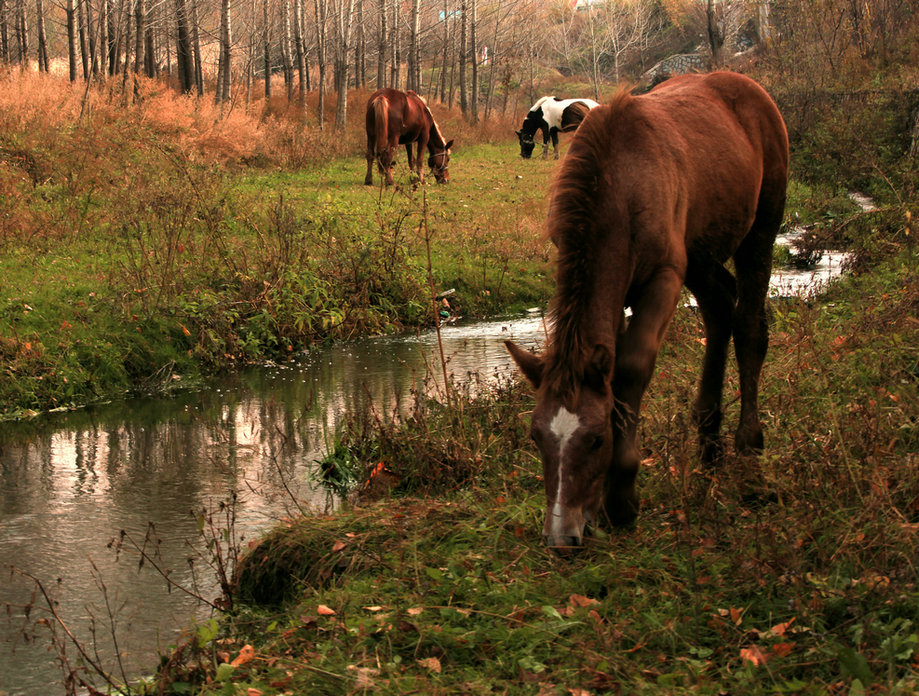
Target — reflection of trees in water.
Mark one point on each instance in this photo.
(70, 482)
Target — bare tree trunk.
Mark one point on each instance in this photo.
(452, 63)
(266, 49)
(344, 21)
(463, 56)
(300, 48)
(196, 48)
(222, 91)
(113, 38)
(82, 26)
(43, 62)
(381, 46)
(321, 8)
(98, 38)
(446, 53)
(360, 49)
(167, 44)
(140, 28)
(287, 56)
(474, 50)
(22, 34)
(184, 59)
(395, 71)
(4, 33)
(70, 12)
(127, 13)
(715, 39)
(494, 60)
(150, 66)
(413, 68)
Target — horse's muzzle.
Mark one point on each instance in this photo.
(565, 545)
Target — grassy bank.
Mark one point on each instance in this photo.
(793, 574)
(145, 244)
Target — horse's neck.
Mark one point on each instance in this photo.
(436, 138)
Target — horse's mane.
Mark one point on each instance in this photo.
(435, 129)
(572, 227)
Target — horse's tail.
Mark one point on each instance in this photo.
(381, 123)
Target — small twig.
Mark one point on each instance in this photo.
(94, 664)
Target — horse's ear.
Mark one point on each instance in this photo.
(600, 368)
(518, 133)
(448, 145)
(529, 363)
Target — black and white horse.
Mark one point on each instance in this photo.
(551, 115)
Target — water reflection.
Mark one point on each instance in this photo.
(69, 483)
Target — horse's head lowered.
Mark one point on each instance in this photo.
(527, 143)
(574, 435)
(439, 162)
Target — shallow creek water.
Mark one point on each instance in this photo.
(70, 482)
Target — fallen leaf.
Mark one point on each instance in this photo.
(245, 655)
(253, 692)
(754, 655)
(430, 663)
(323, 610)
(338, 546)
(782, 628)
(782, 649)
(581, 601)
(736, 616)
(364, 676)
(374, 609)
(415, 611)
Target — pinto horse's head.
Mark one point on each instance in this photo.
(527, 143)
(439, 162)
(574, 435)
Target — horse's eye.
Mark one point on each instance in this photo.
(596, 444)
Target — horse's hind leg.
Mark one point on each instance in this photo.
(753, 262)
(715, 291)
(368, 178)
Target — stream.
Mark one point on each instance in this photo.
(71, 482)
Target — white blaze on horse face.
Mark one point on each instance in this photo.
(563, 426)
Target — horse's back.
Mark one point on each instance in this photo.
(690, 164)
(724, 104)
(731, 157)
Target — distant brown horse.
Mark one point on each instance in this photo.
(656, 191)
(395, 117)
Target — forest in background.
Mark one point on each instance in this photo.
(185, 220)
(482, 55)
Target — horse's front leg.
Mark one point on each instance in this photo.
(419, 159)
(554, 133)
(545, 143)
(410, 156)
(636, 354)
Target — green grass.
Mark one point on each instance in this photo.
(793, 573)
(163, 277)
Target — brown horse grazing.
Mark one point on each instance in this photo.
(395, 117)
(656, 191)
